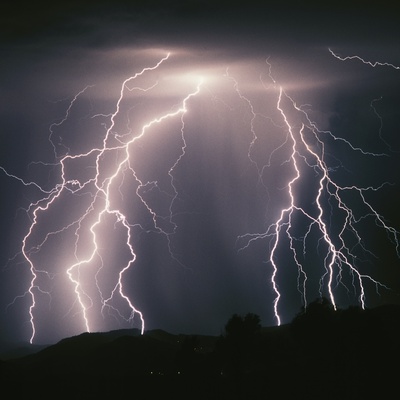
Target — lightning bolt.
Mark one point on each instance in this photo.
(332, 224)
(100, 187)
(371, 63)
(306, 147)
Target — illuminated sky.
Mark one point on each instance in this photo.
(230, 89)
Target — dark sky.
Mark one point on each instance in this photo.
(202, 191)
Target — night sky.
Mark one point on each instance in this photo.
(203, 190)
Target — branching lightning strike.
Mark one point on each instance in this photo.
(305, 146)
(100, 187)
(308, 152)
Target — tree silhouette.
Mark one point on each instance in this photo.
(315, 332)
(237, 348)
(315, 321)
(242, 328)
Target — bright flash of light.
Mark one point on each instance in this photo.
(100, 187)
(303, 149)
(307, 152)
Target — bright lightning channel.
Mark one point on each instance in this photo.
(371, 63)
(306, 151)
(100, 205)
(310, 153)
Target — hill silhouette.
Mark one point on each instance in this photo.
(323, 353)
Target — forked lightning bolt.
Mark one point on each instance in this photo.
(100, 187)
(306, 150)
(305, 153)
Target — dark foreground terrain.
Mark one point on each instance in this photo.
(322, 354)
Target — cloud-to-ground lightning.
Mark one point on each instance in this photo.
(99, 187)
(306, 148)
(316, 213)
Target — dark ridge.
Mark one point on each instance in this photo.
(323, 353)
